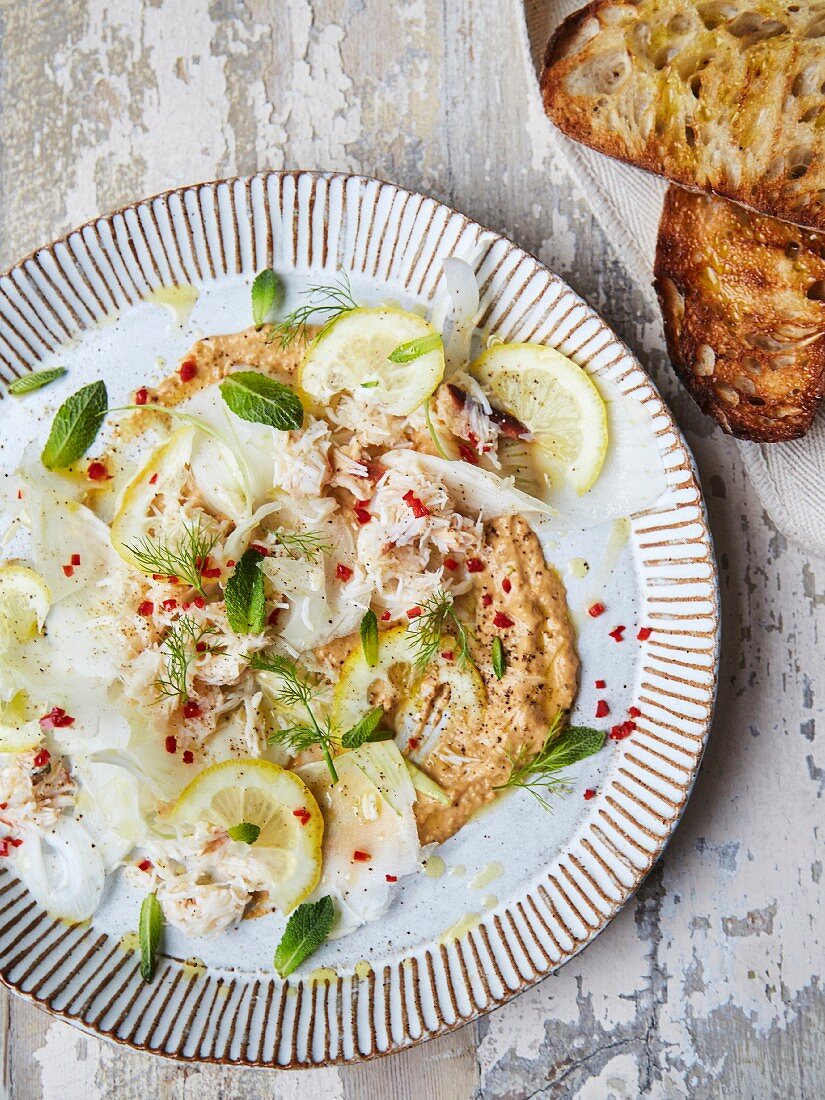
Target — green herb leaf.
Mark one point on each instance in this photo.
(332, 301)
(369, 638)
(574, 744)
(363, 731)
(305, 931)
(149, 929)
(414, 349)
(244, 595)
(254, 397)
(246, 832)
(31, 382)
(425, 633)
(499, 657)
(369, 385)
(267, 293)
(75, 426)
(534, 771)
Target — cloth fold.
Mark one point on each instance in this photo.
(789, 478)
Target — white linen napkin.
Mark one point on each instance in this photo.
(789, 478)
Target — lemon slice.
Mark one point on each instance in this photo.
(277, 801)
(24, 604)
(557, 401)
(20, 728)
(353, 355)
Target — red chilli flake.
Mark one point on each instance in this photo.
(475, 565)
(602, 709)
(171, 743)
(502, 621)
(15, 841)
(644, 633)
(634, 712)
(468, 454)
(601, 684)
(212, 573)
(145, 865)
(198, 601)
(230, 564)
(343, 572)
(589, 793)
(200, 647)
(622, 730)
(188, 756)
(361, 513)
(303, 815)
(361, 857)
(391, 878)
(169, 605)
(413, 743)
(262, 550)
(4, 847)
(68, 571)
(56, 719)
(595, 610)
(75, 559)
(419, 508)
(141, 396)
(507, 584)
(450, 563)
(42, 758)
(97, 472)
(191, 709)
(413, 612)
(385, 617)
(146, 608)
(153, 480)
(187, 370)
(448, 655)
(617, 633)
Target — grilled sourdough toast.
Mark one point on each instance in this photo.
(717, 95)
(743, 300)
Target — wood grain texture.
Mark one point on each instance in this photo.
(708, 984)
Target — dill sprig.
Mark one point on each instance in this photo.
(303, 544)
(182, 645)
(334, 299)
(184, 558)
(297, 688)
(539, 771)
(438, 617)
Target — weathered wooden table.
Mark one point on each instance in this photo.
(708, 983)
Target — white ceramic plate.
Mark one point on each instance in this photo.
(447, 950)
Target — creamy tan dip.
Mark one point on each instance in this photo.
(542, 663)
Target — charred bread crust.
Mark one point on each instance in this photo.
(743, 302)
(721, 96)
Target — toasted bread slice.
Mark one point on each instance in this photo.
(717, 95)
(743, 299)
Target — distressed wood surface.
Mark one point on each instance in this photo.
(708, 984)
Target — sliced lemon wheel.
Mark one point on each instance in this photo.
(24, 604)
(20, 728)
(557, 401)
(263, 794)
(353, 355)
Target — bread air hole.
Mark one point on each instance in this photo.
(715, 12)
(816, 27)
(806, 81)
(755, 28)
(816, 291)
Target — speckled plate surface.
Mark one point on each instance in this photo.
(521, 890)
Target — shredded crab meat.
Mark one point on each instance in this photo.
(33, 796)
(204, 882)
(302, 466)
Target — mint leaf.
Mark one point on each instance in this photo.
(363, 731)
(75, 425)
(246, 832)
(369, 638)
(267, 292)
(31, 382)
(149, 929)
(244, 596)
(254, 397)
(573, 744)
(414, 349)
(499, 657)
(305, 931)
